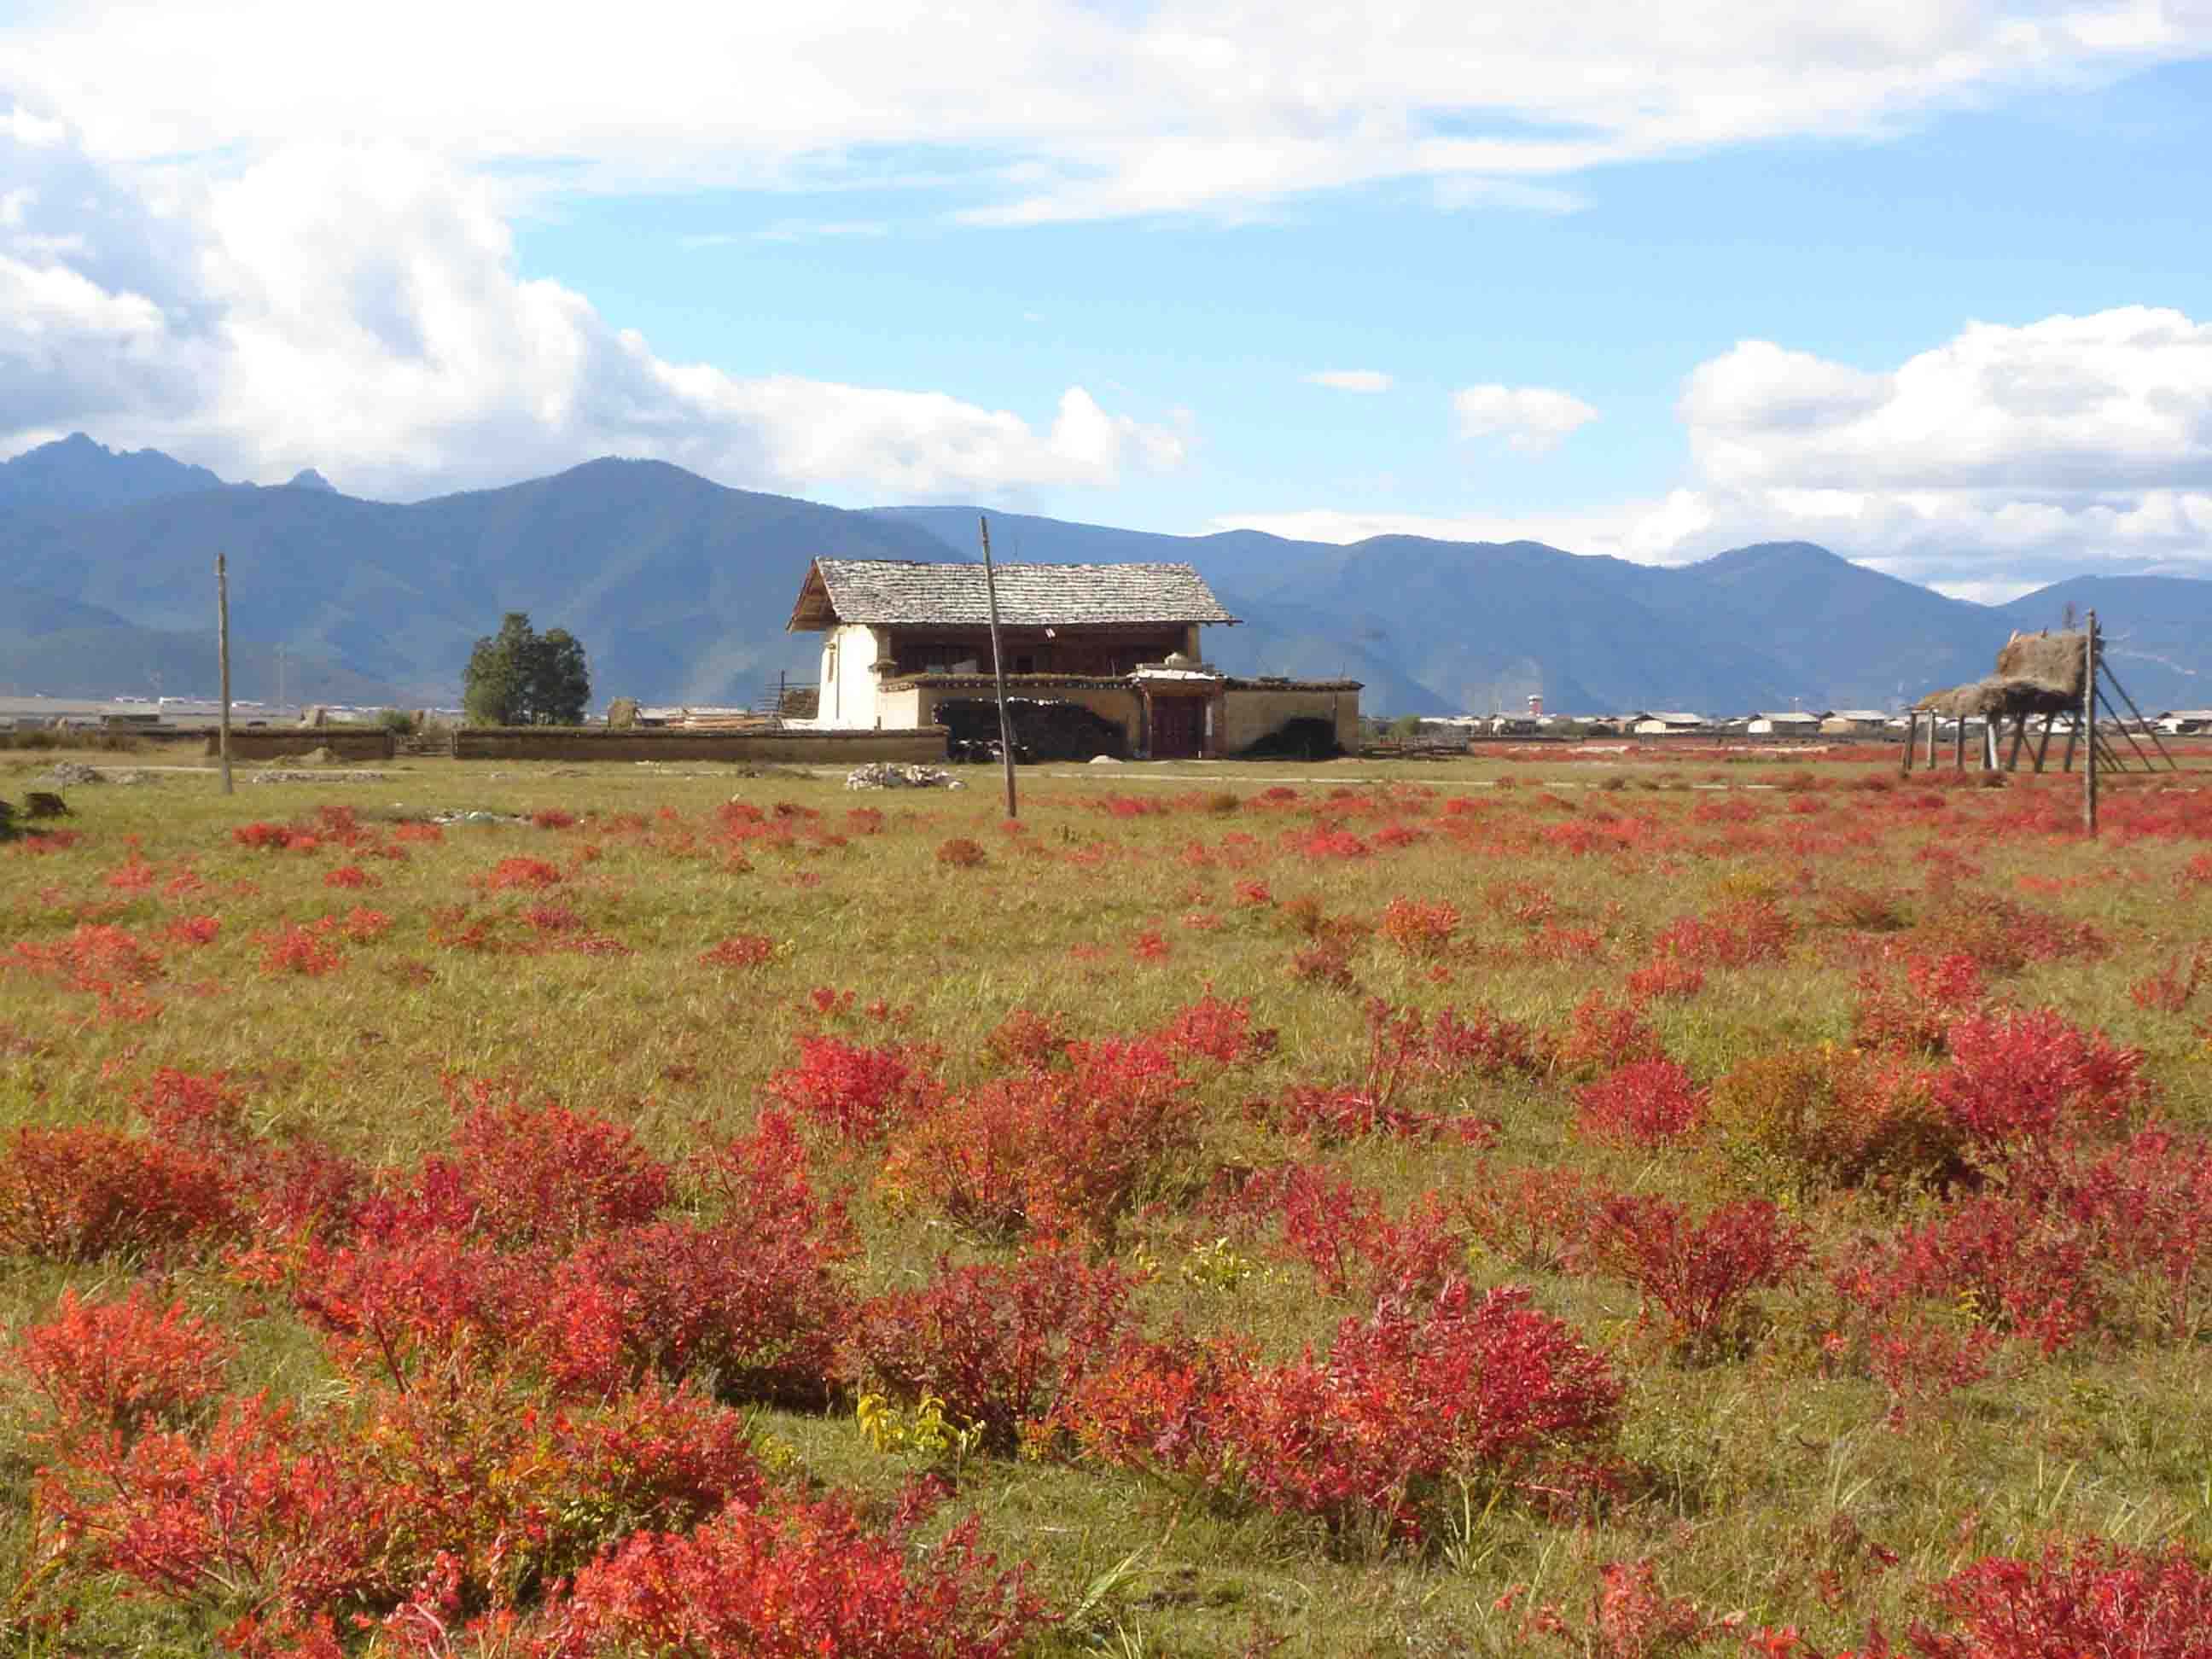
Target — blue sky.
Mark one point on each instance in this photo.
(1925, 282)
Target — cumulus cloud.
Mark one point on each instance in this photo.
(357, 308)
(1350, 380)
(1532, 419)
(2007, 456)
(1098, 110)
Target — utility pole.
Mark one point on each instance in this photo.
(2089, 720)
(998, 666)
(223, 662)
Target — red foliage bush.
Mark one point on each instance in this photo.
(1666, 978)
(531, 874)
(1747, 932)
(2017, 1266)
(1404, 1407)
(2018, 1076)
(1538, 1219)
(1420, 927)
(1210, 1029)
(1699, 1274)
(999, 1345)
(1604, 1036)
(794, 1580)
(1056, 1154)
(739, 951)
(77, 1194)
(1027, 1039)
(960, 853)
(117, 1369)
(1913, 1017)
(2087, 1597)
(297, 950)
(1645, 1103)
(860, 1092)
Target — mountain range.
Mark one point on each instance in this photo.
(679, 588)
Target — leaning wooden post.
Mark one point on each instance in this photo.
(998, 666)
(1958, 743)
(1931, 740)
(1912, 739)
(222, 662)
(2018, 738)
(2042, 743)
(2088, 717)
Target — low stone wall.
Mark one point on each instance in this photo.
(260, 743)
(923, 745)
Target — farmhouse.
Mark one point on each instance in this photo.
(1100, 658)
(1787, 723)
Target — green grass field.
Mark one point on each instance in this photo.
(1809, 1451)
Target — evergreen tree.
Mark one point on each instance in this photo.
(518, 677)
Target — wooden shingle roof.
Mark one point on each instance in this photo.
(910, 591)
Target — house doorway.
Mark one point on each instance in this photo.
(1178, 727)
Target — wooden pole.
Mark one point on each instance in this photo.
(2042, 743)
(1989, 744)
(2129, 736)
(1959, 743)
(2089, 719)
(2019, 740)
(1912, 739)
(2113, 680)
(222, 662)
(998, 666)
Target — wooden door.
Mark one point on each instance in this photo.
(1178, 727)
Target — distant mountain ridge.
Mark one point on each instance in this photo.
(680, 588)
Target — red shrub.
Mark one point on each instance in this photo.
(2169, 990)
(349, 875)
(860, 1092)
(960, 853)
(1747, 932)
(2147, 1204)
(794, 1580)
(999, 1345)
(739, 951)
(762, 1309)
(1210, 1029)
(1603, 1036)
(1404, 1408)
(528, 873)
(1538, 1219)
(1052, 1153)
(74, 1194)
(1027, 1039)
(552, 818)
(1699, 1273)
(1419, 927)
(2023, 1076)
(2020, 1266)
(192, 930)
(423, 834)
(1912, 1018)
(120, 1368)
(2086, 1598)
(1665, 979)
(1643, 1103)
(297, 950)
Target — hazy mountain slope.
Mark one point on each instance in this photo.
(76, 474)
(680, 589)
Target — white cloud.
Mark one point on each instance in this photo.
(1532, 419)
(2006, 457)
(357, 308)
(1350, 380)
(1095, 110)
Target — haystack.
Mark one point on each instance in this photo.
(2037, 674)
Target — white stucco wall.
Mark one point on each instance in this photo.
(849, 687)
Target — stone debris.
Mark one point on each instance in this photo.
(889, 774)
(134, 777)
(317, 777)
(72, 772)
(1104, 760)
(456, 815)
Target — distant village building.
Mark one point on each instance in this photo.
(2184, 722)
(1790, 724)
(1855, 722)
(1659, 723)
(1108, 655)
